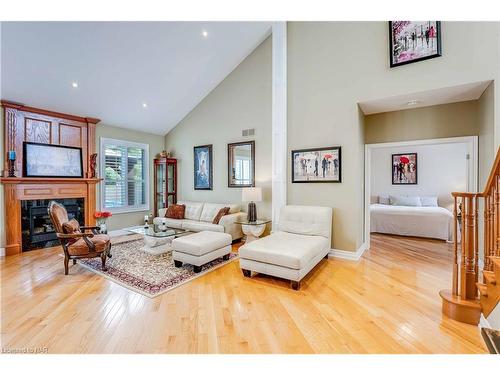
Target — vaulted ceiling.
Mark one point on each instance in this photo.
(140, 75)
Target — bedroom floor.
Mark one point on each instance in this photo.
(388, 302)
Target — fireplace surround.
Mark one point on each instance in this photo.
(28, 124)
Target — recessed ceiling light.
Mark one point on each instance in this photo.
(74, 84)
(204, 33)
(144, 105)
(412, 102)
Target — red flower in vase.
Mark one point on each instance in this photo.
(102, 214)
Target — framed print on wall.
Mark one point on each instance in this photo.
(412, 41)
(203, 167)
(317, 165)
(404, 169)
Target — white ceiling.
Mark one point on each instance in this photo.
(460, 93)
(118, 66)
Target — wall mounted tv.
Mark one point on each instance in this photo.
(44, 160)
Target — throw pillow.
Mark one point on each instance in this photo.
(429, 201)
(222, 212)
(383, 199)
(175, 211)
(72, 226)
(399, 200)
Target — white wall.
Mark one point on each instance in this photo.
(442, 168)
(332, 66)
(241, 101)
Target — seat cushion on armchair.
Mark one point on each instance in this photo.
(284, 249)
(80, 247)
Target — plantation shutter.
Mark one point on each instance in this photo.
(125, 174)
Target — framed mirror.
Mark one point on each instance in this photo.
(241, 164)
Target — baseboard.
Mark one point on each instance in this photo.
(349, 255)
(2, 251)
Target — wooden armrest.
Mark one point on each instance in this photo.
(74, 235)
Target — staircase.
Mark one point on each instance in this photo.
(469, 297)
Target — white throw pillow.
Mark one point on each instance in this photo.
(383, 199)
(429, 201)
(399, 200)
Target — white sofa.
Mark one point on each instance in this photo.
(302, 237)
(199, 216)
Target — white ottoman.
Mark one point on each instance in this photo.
(200, 248)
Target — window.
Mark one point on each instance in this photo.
(125, 170)
(242, 170)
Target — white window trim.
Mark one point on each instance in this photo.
(119, 142)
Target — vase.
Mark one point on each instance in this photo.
(103, 229)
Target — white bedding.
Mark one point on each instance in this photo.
(431, 222)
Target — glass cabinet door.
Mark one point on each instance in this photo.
(171, 176)
(161, 193)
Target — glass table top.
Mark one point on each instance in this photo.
(256, 222)
(154, 231)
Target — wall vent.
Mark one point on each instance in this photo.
(248, 132)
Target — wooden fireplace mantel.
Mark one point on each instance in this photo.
(28, 124)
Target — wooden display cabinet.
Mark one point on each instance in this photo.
(165, 181)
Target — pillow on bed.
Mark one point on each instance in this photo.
(429, 201)
(399, 200)
(383, 199)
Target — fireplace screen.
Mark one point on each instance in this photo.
(37, 228)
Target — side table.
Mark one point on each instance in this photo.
(253, 229)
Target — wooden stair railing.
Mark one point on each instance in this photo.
(461, 302)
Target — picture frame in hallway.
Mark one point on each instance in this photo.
(404, 169)
(203, 169)
(322, 164)
(412, 41)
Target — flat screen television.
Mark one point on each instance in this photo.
(44, 160)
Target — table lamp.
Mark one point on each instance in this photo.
(252, 195)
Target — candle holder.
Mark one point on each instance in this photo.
(12, 166)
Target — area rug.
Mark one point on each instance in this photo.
(150, 275)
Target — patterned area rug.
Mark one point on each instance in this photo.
(150, 275)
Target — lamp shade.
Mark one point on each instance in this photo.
(253, 194)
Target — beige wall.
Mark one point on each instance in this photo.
(438, 121)
(155, 142)
(241, 101)
(332, 66)
(486, 128)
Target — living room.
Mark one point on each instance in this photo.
(205, 186)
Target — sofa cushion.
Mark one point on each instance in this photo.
(307, 220)
(210, 211)
(233, 208)
(201, 243)
(193, 210)
(198, 226)
(175, 211)
(284, 249)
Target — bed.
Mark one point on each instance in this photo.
(430, 222)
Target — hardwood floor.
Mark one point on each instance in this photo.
(387, 302)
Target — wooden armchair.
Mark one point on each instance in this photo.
(75, 242)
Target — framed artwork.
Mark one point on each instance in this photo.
(412, 41)
(203, 167)
(45, 160)
(404, 169)
(317, 165)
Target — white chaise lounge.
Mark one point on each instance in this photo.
(300, 239)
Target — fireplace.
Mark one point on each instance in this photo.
(36, 226)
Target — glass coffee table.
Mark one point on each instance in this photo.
(158, 241)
